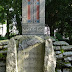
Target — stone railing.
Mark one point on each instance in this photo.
(3, 53)
(63, 53)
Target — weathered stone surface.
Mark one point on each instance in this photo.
(33, 29)
(59, 70)
(58, 52)
(17, 37)
(59, 56)
(56, 47)
(11, 61)
(67, 53)
(50, 61)
(61, 43)
(68, 65)
(68, 58)
(1, 47)
(67, 47)
(66, 70)
(31, 56)
(3, 51)
(6, 46)
(4, 42)
(2, 69)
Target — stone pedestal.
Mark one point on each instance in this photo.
(30, 54)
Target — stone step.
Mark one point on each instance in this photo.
(68, 59)
(4, 52)
(1, 47)
(6, 46)
(67, 53)
(60, 43)
(67, 47)
(2, 64)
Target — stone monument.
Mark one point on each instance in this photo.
(32, 51)
(33, 17)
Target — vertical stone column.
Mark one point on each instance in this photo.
(11, 61)
(49, 60)
(33, 17)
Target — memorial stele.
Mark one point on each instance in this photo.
(33, 17)
(31, 52)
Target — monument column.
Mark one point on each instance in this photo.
(33, 17)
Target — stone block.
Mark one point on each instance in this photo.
(68, 65)
(11, 61)
(31, 59)
(61, 43)
(59, 56)
(58, 52)
(50, 60)
(67, 53)
(33, 29)
(67, 47)
(4, 42)
(57, 48)
(42, 8)
(6, 46)
(59, 70)
(1, 47)
(4, 52)
(68, 58)
(66, 70)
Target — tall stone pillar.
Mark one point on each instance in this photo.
(33, 17)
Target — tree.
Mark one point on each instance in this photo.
(57, 11)
(9, 15)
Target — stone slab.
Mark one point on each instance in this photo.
(60, 43)
(11, 61)
(33, 29)
(31, 58)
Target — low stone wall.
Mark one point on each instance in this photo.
(62, 49)
(63, 53)
(3, 53)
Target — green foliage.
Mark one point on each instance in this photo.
(3, 38)
(7, 15)
(59, 36)
(1, 55)
(62, 51)
(58, 15)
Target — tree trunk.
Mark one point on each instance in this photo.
(51, 31)
(19, 26)
(8, 25)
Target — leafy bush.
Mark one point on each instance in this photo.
(3, 38)
(59, 36)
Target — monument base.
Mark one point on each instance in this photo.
(30, 53)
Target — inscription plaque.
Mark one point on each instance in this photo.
(32, 29)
